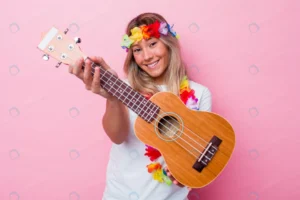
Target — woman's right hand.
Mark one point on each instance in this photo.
(92, 82)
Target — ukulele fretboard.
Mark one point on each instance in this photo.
(132, 99)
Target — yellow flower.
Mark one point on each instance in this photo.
(184, 85)
(136, 34)
(158, 175)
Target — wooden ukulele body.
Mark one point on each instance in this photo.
(182, 136)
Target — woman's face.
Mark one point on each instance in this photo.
(152, 56)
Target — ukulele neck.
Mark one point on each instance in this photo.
(129, 97)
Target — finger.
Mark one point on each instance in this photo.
(172, 178)
(113, 72)
(72, 66)
(169, 174)
(96, 81)
(78, 68)
(71, 69)
(101, 62)
(88, 87)
(87, 76)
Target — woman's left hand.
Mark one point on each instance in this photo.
(173, 179)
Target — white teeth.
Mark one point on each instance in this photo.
(152, 65)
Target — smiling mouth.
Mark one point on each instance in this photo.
(152, 65)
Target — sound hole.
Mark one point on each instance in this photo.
(168, 127)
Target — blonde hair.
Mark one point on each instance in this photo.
(138, 78)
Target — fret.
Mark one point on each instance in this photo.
(114, 94)
(115, 90)
(133, 100)
(154, 112)
(148, 105)
(128, 97)
(144, 101)
(102, 75)
(111, 83)
(105, 82)
(121, 92)
(93, 67)
(138, 109)
(108, 87)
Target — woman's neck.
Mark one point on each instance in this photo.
(159, 81)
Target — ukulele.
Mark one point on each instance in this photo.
(196, 145)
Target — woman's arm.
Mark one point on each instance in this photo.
(116, 121)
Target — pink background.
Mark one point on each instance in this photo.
(52, 145)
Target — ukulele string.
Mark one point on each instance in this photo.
(168, 127)
(164, 125)
(170, 130)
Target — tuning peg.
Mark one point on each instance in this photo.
(77, 40)
(58, 64)
(66, 31)
(46, 57)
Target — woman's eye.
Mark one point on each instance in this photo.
(136, 50)
(153, 43)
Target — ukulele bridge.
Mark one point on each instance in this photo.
(208, 153)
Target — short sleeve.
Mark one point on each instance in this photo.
(125, 80)
(205, 101)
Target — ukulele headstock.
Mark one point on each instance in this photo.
(59, 46)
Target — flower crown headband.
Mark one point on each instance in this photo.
(146, 31)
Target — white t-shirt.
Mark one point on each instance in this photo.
(127, 177)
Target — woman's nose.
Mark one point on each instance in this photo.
(148, 54)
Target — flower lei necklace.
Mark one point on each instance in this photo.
(187, 95)
(147, 31)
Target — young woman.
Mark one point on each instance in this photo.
(153, 64)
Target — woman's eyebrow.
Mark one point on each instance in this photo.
(134, 45)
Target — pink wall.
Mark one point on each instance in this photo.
(52, 145)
